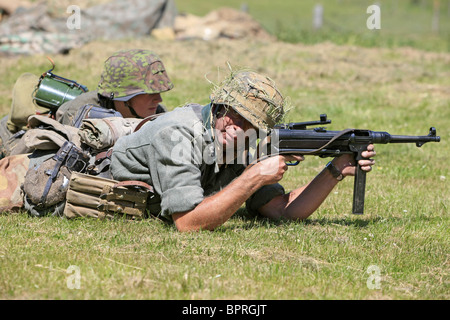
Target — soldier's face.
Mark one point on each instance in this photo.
(145, 104)
(229, 127)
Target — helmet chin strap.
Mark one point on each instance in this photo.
(133, 112)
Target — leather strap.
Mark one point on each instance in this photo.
(145, 120)
(335, 172)
(50, 181)
(134, 183)
(103, 155)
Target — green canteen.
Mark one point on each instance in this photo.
(52, 91)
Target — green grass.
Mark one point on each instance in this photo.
(322, 258)
(404, 231)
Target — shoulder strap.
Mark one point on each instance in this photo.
(145, 120)
(59, 157)
(134, 183)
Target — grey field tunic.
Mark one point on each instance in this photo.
(175, 154)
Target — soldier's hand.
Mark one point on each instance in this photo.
(347, 164)
(272, 169)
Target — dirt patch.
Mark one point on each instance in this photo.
(224, 22)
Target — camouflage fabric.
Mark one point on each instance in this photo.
(12, 175)
(34, 30)
(253, 96)
(39, 43)
(131, 72)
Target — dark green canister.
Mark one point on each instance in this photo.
(52, 91)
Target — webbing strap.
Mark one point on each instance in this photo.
(336, 136)
(134, 183)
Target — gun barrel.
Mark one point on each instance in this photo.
(409, 139)
(418, 140)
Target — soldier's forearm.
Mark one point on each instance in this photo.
(215, 210)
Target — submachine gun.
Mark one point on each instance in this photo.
(295, 138)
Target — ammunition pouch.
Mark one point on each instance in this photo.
(97, 197)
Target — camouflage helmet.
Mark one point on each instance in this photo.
(254, 96)
(128, 73)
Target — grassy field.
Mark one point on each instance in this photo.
(399, 249)
(403, 23)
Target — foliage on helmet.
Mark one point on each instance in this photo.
(254, 96)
